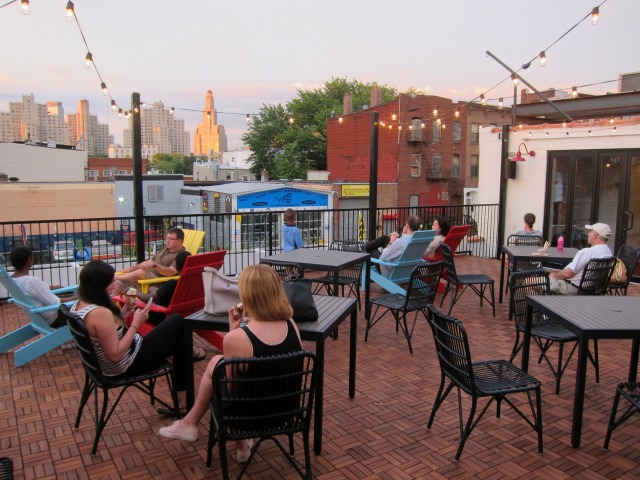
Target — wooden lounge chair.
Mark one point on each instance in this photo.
(192, 242)
(188, 297)
(452, 239)
(50, 337)
(410, 258)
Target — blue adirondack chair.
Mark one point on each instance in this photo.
(38, 325)
(411, 256)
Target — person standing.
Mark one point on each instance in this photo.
(291, 236)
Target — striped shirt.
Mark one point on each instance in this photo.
(109, 368)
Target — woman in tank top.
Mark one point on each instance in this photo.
(269, 330)
(119, 348)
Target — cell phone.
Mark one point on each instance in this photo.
(149, 302)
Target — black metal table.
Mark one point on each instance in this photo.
(588, 317)
(332, 311)
(332, 261)
(517, 253)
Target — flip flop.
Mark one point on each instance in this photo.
(200, 355)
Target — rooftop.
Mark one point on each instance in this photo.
(380, 434)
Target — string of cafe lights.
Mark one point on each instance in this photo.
(71, 15)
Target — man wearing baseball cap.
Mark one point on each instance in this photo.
(567, 281)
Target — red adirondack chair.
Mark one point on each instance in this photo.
(453, 239)
(188, 297)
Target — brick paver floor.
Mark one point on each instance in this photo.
(380, 434)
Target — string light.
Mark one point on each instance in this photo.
(456, 113)
(543, 59)
(103, 86)
(482, 99)
(119, 113)
(394, 117)
(501, 102)
(435, 111)
(248, 119)
(25, 6)
(564, 124)
(209, 115)
(70, 11)
(291, 120)
(340, 119)
(88, 60)
(614, 129)
(171, 110)
(515, 79)
(595, 15)
(114, 107)
(574, 91)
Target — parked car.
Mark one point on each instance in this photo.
(102, 250)
(62, 251)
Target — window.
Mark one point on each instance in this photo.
(474, 166)
(437, 131)
(475, 130)
(122, 172)
(156, 193)
(414, 202)
(415, 164)
(457, 132)
(106, 173)
(436, 166)
(93, 173)
(455, 166)
(415, 133)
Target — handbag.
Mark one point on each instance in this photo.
(619, 275)
(220, 291)
(298, 292)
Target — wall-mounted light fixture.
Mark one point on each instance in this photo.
(518, 156)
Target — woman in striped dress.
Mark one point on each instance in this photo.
(120, 349)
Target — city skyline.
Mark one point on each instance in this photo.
(262, 54)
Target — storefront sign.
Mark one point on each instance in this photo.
(355, 191)
(282, 198)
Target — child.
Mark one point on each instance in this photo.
(290, 233)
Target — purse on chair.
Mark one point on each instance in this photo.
(220, 291)
(298, 292)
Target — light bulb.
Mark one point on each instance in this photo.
(70, 10)
(291, 120)
(114, 107)
(171, 110)
(482, 99)
(457, 113)
(515, 79)
(439, 120)
(595, 15)
(543, 59)
(88, 60)
(209, 115)
(574, 91)
(340, 119)
(399, 127)
(435, 112)
(501, 102)
(136, 109)
(119, 113)
(103, 86)
(611, 120)
(25, 6)
(564, 124)
(127, 114)
(248, 119)
(394, 117)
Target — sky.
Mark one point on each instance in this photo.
(251, 52)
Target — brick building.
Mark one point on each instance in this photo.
(427, 150)
(103, 169)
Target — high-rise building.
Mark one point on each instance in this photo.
(86, 133)
(28, 120)
(160, 128)
(209, 136)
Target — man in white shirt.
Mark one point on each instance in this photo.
(567, 281)
(398, 243)
(22, 260)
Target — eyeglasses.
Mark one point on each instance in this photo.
(171, 238)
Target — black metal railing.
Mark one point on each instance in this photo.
(62, 246)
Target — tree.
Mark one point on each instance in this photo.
(288, 150)
(172, 163)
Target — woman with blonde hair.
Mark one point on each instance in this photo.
(267, 330)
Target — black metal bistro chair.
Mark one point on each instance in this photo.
(629, 256)
(284, 269)
(630, 391)
(262, 398)
(423, 285)
(347, 277)
(496, 379)
(544, 331)
(596, 276)
(95, 380)
(524, 240)
(478, 282)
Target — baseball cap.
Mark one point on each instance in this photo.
(603, 229)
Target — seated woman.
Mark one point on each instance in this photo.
(529, 220)
(120, 349)
(22, 260)
(268, 330)
(442, 226)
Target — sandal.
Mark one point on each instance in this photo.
(199, 355)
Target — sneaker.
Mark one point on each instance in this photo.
(188, 433)
(243, 454)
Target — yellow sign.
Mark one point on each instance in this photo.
(355, 190)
